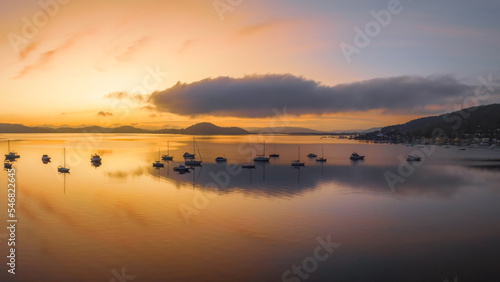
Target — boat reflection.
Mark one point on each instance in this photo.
(281, 180)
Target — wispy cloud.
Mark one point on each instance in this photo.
(117, 95)
(104, 114)
(121, 95)
(127, 51)
(47, 56)
(185, 45)
(254, 29)
(257, 95)
(26, 51)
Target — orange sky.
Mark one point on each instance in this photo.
(59, 72)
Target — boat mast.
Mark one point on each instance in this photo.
(64, 156)
(198, 149)
(264, 148)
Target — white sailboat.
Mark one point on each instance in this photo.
(63, 168)
(158, 163)
(95, 158)
(355, 156)
(262, 158)
(321, 159)
(274, 155)
(167, 157)
(298, 162)
(193, 161)
(11, 155)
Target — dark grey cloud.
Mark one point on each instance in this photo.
(258, 95)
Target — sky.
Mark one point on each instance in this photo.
(321, 64)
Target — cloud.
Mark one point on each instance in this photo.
(104, 114)
(121, 95)
(26, 51)
(126, 53)
(259, 27)
(260, 96)
(47, 56)
(117, 95)
(186, 45)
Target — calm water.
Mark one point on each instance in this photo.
(222, 223)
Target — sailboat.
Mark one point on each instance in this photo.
(63, 169)
(7, 164)
(45, 159)
(11, 155)
(95, 158)
(321, 159)
(158, 163)
(274, 155)
(298, 162)
(167, 157)
(193, 161)
(262, 158)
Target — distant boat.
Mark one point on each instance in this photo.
(181, 168)
(461, 149)
(298, 162)
(63, 168)
(193, 162)
(167, 157)
(411, 158)
(188, 155)
(11, 155)
(356, 157)
(311, 155)
(262, 158)
(248, 166)
(274, 155)
(158, 163)
(95, 158)
(7, 164)
(45, 158)
(321, 159)
(220, 159)
(96, 164)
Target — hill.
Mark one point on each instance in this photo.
(481, 119)
(206, 128)
(286, 130)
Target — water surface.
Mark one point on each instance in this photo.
(222, 223)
